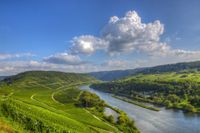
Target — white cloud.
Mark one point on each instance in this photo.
(13, 67)
(63, 58)
(87, 44)
(129, 34)
(4, 56)
(121, 35)
(186, 54)
(116, 64)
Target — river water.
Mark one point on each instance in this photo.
(147, 121)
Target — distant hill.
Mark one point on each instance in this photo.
(172, 67)
(114, 75)
(118, 74)
(2, 77)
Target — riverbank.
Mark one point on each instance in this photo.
(136, 103)
(147, 121)
(95, 105)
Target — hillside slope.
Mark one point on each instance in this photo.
(29, 102)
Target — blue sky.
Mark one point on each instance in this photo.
(76, 35)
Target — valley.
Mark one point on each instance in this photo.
(49, 101)
(40, 101)
(99, 66)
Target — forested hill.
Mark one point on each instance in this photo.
(117, 74)
(171, 89)
(114, 75)
(172, 67)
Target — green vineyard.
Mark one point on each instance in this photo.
(45, 102)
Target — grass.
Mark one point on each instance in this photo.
(5, 128)
(70, 93)
(51, 103)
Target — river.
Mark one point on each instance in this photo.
(147, 121)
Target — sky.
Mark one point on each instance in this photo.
(96, 35)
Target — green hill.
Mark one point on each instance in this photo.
(32, 102)
(177, 67)
(171, 89)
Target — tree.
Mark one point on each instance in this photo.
(122, 119)
(173, 98)
(88, 99)
(110, 118)
(168, 104)
(189, 108)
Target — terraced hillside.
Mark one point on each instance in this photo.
(41, 101)
(179, 90)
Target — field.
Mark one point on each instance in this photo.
(45, 103)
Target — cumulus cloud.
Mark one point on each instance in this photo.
(63, 58)
(87, 44)
(4, 56)
(129, 34)
(124, 34)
